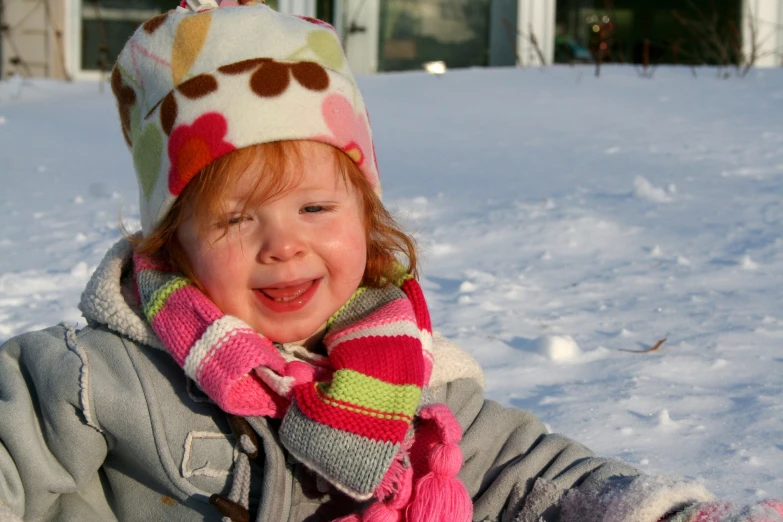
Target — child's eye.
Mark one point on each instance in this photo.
(235, 220)
(313, 209)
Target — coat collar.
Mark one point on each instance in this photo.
(110, 297)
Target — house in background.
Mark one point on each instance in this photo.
(685, 32)
(81, 38)
(67, 38)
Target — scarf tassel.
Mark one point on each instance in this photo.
(439, 495)
(391, 510)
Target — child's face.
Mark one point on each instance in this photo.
(286, 265)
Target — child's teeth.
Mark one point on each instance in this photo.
(286, 298)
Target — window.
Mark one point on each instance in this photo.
(664, 31)
(107, 24)
(416, 31)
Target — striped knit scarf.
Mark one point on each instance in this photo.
(355, 417)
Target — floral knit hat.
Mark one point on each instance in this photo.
(198, 82)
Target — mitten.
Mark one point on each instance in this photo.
(719, 511)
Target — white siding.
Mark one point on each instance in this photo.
(361, 46)
(536, 17)
(766, 16)
(32, 38)
(297, 7)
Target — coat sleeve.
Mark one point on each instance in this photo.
(51, 448)
(516, 471)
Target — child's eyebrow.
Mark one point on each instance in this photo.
(240, 199)
(318, 186)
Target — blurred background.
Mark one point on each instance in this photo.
(81, 38)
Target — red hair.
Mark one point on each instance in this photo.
(387, 244)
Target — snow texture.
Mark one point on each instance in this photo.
(566, 221)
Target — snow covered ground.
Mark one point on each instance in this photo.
(566, 222)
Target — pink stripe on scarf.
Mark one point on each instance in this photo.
(398, 310)
(250, 396)
(183, 319)
(235, 359)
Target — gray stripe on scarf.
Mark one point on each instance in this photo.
(149, 281)
(353, 463)
(366, 303)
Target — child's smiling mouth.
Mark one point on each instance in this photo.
(288, 297)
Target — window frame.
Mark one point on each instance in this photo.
(72, 42)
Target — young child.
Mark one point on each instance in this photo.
(262, 350)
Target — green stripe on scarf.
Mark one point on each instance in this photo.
(363, 391)
(160, 295)
(369, 413)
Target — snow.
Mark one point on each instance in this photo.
(566, 222)
(557, 347)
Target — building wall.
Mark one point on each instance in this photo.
(35, 38)
(297, 7)
(360, 24)
(763, 26)
(536, 31)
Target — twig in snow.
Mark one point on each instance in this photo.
(648, 350)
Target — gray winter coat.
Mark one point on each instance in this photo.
(101, 425)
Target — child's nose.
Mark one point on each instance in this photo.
(281, 242)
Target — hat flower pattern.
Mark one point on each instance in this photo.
(172, 90)
(350, 131)
(271, 78)
(193, 147)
